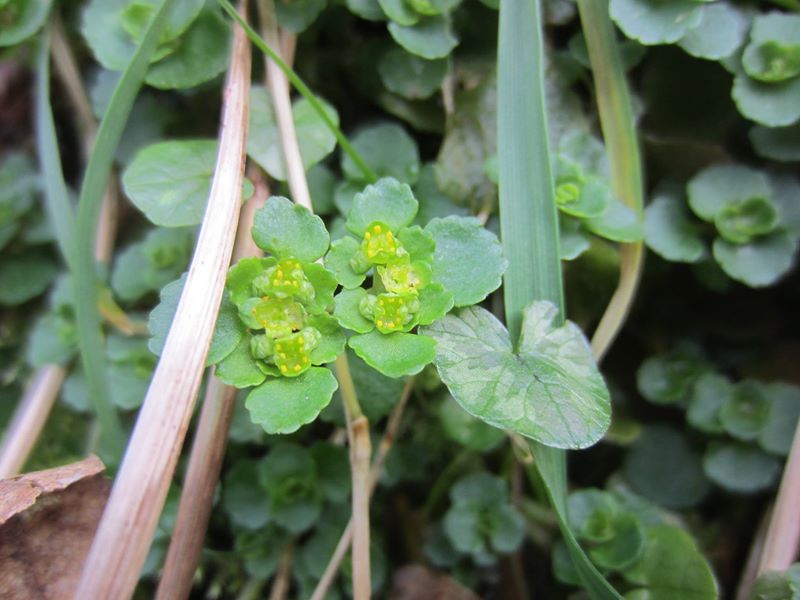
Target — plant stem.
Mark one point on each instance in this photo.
(282, 581)
(304, 90)
(389, 435)
(137, 498)
(360, 454)
(205, 463)
(208, 446)
(29, 419)
(282, 104)
(619, 133)
(782, 543)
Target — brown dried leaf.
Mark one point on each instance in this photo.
(47, 522)
(415, 582)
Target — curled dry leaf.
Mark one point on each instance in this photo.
(47, 522)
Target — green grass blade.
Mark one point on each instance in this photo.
(301, 87)
(90, 335)
(529, 222)
(528, 217)
(619, 132)
(57, 204)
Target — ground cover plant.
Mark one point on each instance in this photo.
(405, 298)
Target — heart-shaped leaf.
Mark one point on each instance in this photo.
(551, 391)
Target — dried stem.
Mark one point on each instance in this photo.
(29, 419)
(281, 583)
(197, 495)
(783, 536)
(137, 498)
(389, 435)
(279, 90)
(750, 571)
(208, 447)
(360, 452)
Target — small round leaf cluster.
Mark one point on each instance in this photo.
(282, 310)
(750, 211)
(413, 275)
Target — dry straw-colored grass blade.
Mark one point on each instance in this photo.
(125, 533)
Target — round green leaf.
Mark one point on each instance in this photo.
(431, 38)
(399, 11)
(773, 53)
(740, 468)
(151, 263)
(710, 392)
(668, 379)
(777, 433)
(128, 385)
(777, 143)
(745, 411)
(333, 467)
(241, 275)
(285, 230)
(468, 260)
(671, 567)
(388, 150)
(462, 427)
(669, 232)
(289, 475)
(23, 278)
(337, 261)
(366, 9)
(332, 342)
(387, 201)
(551, 391)
(201, 55)
(239, 368)
(346, 310)
(572, 238)
(394, 354)
(297, 16)
(624, 548)
(771, 104)
(656, 22)
(244, 501)
(170, 181)
(321, 183)
(434, 303)
(759, 263)
(739, 222)
(53, 340)
(324, 285)
(721, 31)
(283, 405)
(228, 331)
(264, 142)
(21, 19)
(411, 76)
(714, 188)
(618, 223)
(662, 467)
